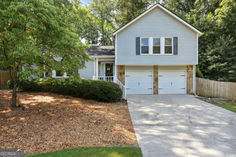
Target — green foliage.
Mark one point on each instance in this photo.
(221, 59)
(34, 33)
(228, 106)
(199, 73)
(104, 11)
(88, 89)
(218, 53)
(10, 84)
(127, 10)
(87, 24)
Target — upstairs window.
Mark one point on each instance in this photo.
(156, 46)
(144, 45)
(59, 74)
(168, 46)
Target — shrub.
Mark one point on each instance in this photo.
(10, 84)
(199, 73)
(88, 89)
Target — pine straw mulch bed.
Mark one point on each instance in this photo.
(53, 122)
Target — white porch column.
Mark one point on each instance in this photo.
(96, 61)
(94, 68)
(115, 69)
(114, 73)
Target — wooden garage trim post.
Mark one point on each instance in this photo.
(121, 73)
(189, 79)
(155, 79)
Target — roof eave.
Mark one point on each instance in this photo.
(200, 34)
(102, 56)
(166, 10)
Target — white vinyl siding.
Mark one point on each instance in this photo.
(157, 24)
(88, 71)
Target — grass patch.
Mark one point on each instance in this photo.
(94, 152)
(228, 105)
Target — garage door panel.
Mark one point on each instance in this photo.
(172, 82)
(139, 81)
(138, 85)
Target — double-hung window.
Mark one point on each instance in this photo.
(168, 46)
(144, 46)
(156, 46)
(59, 73)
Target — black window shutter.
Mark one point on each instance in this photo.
(175, 45)
(137, 45)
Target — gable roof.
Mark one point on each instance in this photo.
(165, 10)
(101, 51)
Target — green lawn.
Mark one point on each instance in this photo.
(94, 152)
(228, 105)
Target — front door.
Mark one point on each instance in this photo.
(109, 69)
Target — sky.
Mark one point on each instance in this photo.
(85, 1)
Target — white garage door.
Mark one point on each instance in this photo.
(139, 80)
(172, 81)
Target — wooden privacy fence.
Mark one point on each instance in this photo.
(4, 77)
(217, 89)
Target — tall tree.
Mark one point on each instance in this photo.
(104, 11)
(127, 10)
(34, 32)
(221, 53)
(86, 23)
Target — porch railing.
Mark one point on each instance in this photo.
(122, 87)
(104, 78)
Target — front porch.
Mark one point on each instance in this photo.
(104, 69)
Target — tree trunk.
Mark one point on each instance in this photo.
(14, 95)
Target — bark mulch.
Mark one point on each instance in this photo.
(52, 122)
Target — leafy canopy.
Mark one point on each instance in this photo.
(39, 33)
(34, 32)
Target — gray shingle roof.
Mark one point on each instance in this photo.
(101, 51)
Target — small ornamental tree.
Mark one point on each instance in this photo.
(33, 33)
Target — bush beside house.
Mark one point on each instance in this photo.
(88, 89)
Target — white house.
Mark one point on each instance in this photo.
(156, 53)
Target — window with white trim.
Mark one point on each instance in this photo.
(156, 48)
(59, 73)
(156, 45)
(144, 45)
(168, 46)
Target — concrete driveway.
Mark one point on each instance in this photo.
(182, 126)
